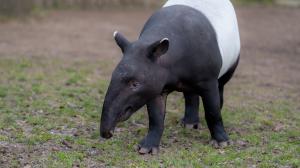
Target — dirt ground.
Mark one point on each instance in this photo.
(270, 58)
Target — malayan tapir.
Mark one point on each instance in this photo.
(190, 46)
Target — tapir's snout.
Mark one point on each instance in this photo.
(108, 120)
(106, 131)
(107, 125)
(106, 134)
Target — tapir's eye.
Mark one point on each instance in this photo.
(134, 85)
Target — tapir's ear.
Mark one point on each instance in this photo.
(121, 41)
(158, 49)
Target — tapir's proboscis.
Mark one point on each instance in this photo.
(190, 46)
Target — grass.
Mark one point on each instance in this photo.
(50, 109)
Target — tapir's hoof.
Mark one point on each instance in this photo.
(219, 145)
(151, 150)
(190, 126)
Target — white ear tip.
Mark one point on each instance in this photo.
(115, 33)
(164, 39)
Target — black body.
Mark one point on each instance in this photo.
(188, 61)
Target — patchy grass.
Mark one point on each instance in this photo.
(50, 109)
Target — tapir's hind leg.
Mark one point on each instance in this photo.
(211, 102)
(213, 106)
(224, 79)
(191, 115)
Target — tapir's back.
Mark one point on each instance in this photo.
(222, 16)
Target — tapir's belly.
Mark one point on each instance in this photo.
(222, 16)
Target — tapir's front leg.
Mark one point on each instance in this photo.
(156, 112)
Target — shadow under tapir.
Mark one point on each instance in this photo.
(187, 46)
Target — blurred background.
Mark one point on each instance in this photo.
(24, 7)
(56, 59)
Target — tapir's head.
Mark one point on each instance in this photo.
(137, 79)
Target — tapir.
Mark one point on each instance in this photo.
(190, 46)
